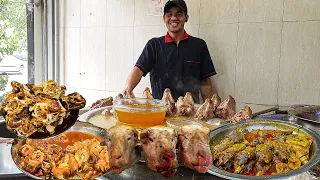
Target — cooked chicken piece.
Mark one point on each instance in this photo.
(167, 97)
(216, 100)
(50, 89)
(159, 150)
(103, 162)
(55, 152)
(183, 108)
(226, 109)
(280, 151)
(193, 147)
(74, 101)
(230, 152)
(188, 99)
(262, 168)
(282, 168)
(128, 95)
(263, 153)
(122, 142)
(63, 171)
(82, 156)
(87, 171)
(147, 94)
(242, 158)
(219, 148)
(26, 150)
(67, 167)
(34, 161)
(13, 121)
(205, 111)
(245, 113)
(102, 103)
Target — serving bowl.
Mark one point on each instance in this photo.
(221, 132)
(140, 112)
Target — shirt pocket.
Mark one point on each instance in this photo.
(193, 69)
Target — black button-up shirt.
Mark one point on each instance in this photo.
(177, 67)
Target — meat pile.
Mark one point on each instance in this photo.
(159, 145)
(211, 108)
(214, 108)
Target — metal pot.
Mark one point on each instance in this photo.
(18, 142)
(307, 116)
(220, 133)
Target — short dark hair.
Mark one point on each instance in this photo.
(176, 3)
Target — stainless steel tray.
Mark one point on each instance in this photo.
(219, 133)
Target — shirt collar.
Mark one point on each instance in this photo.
(168, 38)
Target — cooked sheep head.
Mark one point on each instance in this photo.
(183, 108)
(159, 150)
(121, 141)
(147, 94)
(216, 101)
(245, 113)
(226, 109)
(167, 97)
(205, 111)
(193, 147)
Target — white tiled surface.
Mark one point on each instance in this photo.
(219, 11)
(119, 56)
(193, 11)
(142, 17)
(69, 13)
(222, 43)
(192, 30)
(277, 62)
(70, 40)
(301, 10)
(300, 64)
(258, 62)
(260, 10)
(120, 12)
(93, 58)
(93, 13)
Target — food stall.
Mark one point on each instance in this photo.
(115, 139)
(65, 113)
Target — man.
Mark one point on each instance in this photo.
(176, 61)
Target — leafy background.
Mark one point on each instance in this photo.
(13, 32)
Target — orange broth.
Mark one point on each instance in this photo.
(141, 117)
(69, 138)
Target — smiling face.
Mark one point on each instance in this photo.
(175, 19)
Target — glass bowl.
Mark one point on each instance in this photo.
(176, 124)
(140, 112)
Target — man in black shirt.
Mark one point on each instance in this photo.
(176, 61)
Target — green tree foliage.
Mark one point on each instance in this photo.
(13, 26)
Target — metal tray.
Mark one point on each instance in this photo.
(219, 133)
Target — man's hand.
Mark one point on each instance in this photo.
(206, 88)
(133, 79)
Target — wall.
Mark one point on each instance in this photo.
(266, 52)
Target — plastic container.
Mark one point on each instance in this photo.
(140, 112)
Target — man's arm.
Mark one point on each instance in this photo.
(133, 79)
(206, 88)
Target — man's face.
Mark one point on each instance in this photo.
(175, 19)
